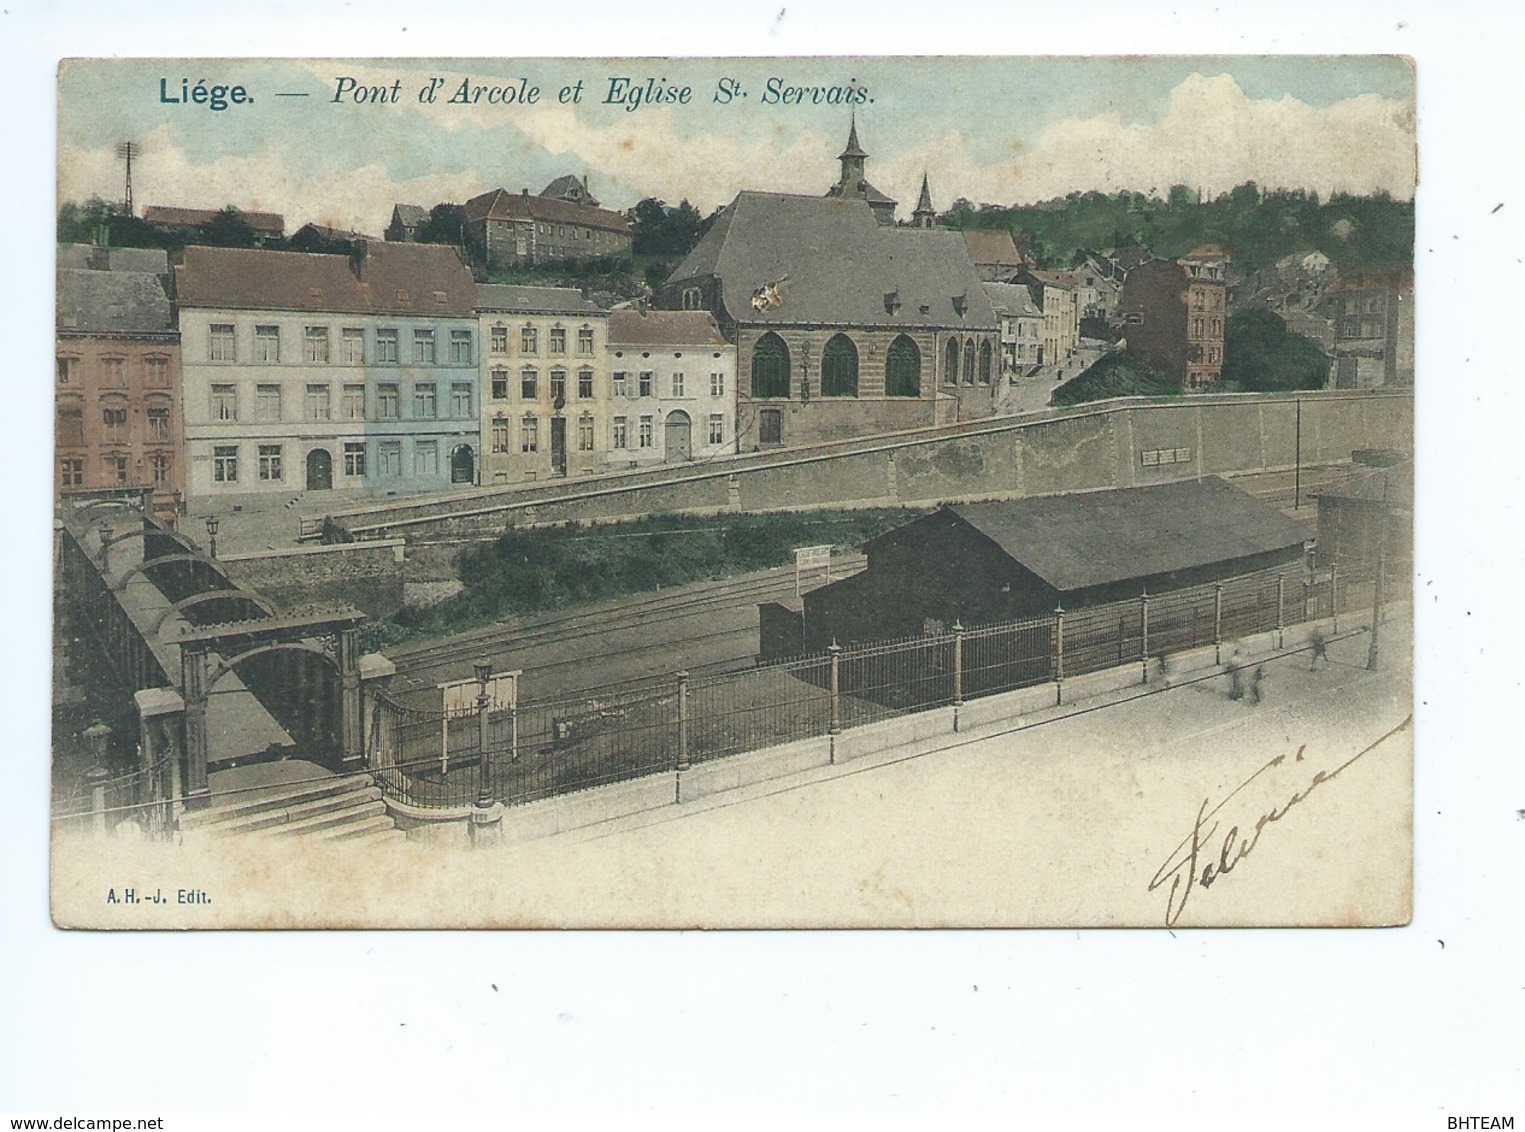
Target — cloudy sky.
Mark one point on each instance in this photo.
(1001, 130)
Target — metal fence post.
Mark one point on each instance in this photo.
(1059, 653)
(97, 777)
(835, 652)
(1281, 609)
(1334, 597)
(1143, 647)
(958, 669)
(683, 721)
(1217, 622)
(1307, 587)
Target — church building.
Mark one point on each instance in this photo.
(845, 323)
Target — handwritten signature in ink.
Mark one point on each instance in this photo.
(1194, 864)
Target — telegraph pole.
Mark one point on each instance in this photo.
(127, 151)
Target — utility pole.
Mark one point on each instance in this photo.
(127, 151)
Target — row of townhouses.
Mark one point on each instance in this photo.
(244, 374)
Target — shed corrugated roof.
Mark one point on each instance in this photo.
(515, 298)
(1096, 538)
(837, 264)
(664, 328)
(112, 302)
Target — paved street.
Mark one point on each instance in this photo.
(1057, 822)
(1030, 394)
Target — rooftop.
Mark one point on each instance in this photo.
(427, 280)
(169, 216)
(631, 327)
(834, 263)
(1095, 538)
(517, 298)
(500, 204)
(112, 302)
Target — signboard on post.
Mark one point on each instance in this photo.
(807, 559)
(460, 699)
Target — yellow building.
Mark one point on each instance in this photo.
(545, 380)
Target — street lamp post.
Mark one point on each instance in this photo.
(486, 816)
(212, 535)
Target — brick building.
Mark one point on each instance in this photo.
(1173, 314)
(545, 379)
(513, 230)
(1373, 314)
(117, 379)
(672, 388)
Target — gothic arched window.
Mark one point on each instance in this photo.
(902, 368)
(839, 368)
(770, 367)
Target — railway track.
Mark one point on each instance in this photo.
(658, 621)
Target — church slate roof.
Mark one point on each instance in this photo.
(837, 265)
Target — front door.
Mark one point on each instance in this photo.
(678, 435)
(770, 426)
(320, 470)
(559, 445)
(463, 465)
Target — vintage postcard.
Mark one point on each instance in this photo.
(721, 493)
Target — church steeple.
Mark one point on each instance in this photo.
(852, 159)
(925, 215)
(854, 185)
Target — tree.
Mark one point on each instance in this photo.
(229, 229)
(1260, 355)
(446, 225)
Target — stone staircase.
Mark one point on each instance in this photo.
(346, 809)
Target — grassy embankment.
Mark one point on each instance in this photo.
(538, 571)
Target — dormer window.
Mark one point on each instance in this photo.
(960, 304)
(891, 302)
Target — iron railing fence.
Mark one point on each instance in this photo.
(592, 739)
(142, 796)
(543, 748)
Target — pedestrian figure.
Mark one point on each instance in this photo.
(1256, 676)
(1235, 676)
(1319, 647)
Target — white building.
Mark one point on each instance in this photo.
(327, 373)
(672, 388)
(1021, 323)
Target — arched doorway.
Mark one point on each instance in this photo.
(320, 470)
(677, 435)
(463, 465)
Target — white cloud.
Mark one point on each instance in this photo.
(1212, 136)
